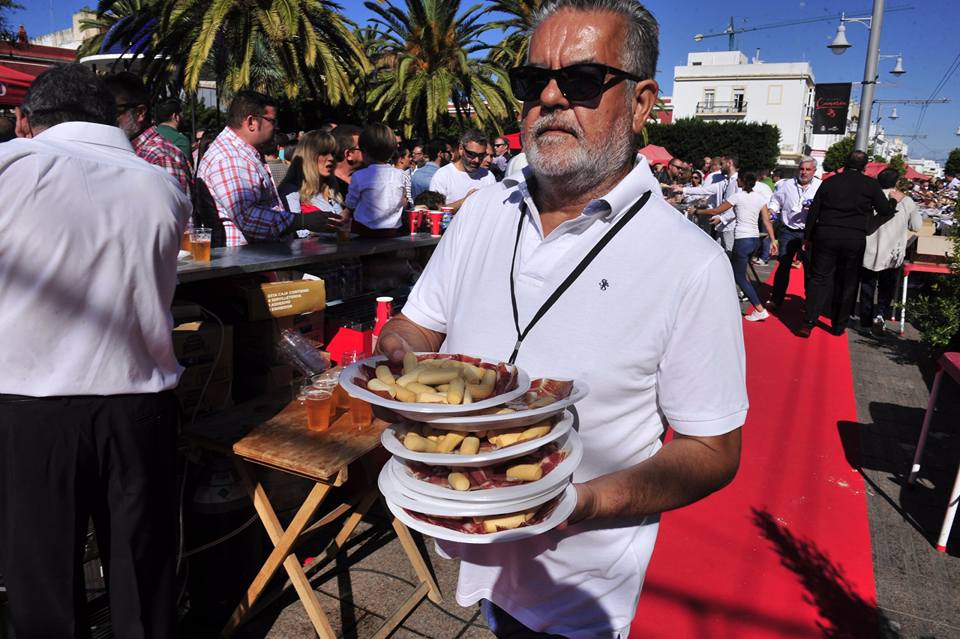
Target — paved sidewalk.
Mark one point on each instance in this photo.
(918, 588)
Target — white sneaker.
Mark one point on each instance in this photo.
(757, 316)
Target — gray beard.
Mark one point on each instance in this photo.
(586, 167)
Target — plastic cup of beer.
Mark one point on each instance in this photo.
(185, 239)
(360, 413)
(330, 380)
(319, 405)
(200, 244)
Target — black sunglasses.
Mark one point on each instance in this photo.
(577, 82)
(474, 155)
(123, 107)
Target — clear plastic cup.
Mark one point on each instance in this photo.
(200, 239)
(319, 405)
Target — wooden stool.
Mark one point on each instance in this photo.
(948, 363)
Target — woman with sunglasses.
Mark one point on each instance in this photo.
(749, 205)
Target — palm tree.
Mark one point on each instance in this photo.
(308, 42)
(512, 51)
(425, 59)
(119, 13)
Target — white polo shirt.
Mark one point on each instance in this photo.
(454, 184)
(651, 325)
(88, 265)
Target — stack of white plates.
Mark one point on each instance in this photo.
(426, 506)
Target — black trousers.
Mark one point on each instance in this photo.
(884, 284)
(791, 246)
(836, 260)
(64, 460)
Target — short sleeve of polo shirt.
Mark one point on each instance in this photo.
(701, 380)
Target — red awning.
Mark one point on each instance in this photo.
(656, 154)
(513, 139)
(13, 86)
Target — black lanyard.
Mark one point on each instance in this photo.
(571, 278)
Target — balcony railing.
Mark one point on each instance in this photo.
(737, 107)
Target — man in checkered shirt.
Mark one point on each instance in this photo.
(239, 181)
(133, 118)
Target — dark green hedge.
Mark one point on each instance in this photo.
(690, 139)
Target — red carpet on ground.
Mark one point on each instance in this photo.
(784, 551)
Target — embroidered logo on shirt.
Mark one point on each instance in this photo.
(604, 285)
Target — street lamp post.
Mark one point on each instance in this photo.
(840, 44)
(870, 76)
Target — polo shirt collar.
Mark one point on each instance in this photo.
(87, 133)
(634, 184)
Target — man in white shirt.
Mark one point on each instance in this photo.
(719, 192)
(463, 176)
(791, 201)
(630, 325)
(88, 424)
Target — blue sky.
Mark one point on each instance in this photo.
(925, 35)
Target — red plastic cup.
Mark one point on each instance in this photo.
(435, 218)
(414, 221)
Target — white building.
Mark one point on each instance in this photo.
(928, 167)
(70, 38)
(723, 86)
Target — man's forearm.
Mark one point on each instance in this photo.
(685, 470)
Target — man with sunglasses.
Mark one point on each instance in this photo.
(237, 177)
(577, 268)
(501, 157)
(463, 176)
(133, 118)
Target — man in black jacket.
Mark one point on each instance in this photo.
(840, 218)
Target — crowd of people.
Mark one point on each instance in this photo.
(759, 215)
(359, 179)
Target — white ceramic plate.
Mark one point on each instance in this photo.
(559, 515)
(394, 492)
(558, 475)
(512, 420)
(393, 444)
(425, 412)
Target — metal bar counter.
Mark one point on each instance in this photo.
(270, 256)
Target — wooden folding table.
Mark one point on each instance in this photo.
(281, 441)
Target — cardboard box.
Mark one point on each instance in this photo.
(251, 383)
(284, 299)
(934, 249)
(196, 345)
(928, 229)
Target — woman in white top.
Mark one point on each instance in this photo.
(377, 194)
(749, 206)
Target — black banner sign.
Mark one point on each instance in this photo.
(830, 104)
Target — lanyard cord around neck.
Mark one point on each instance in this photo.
(571, 278)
